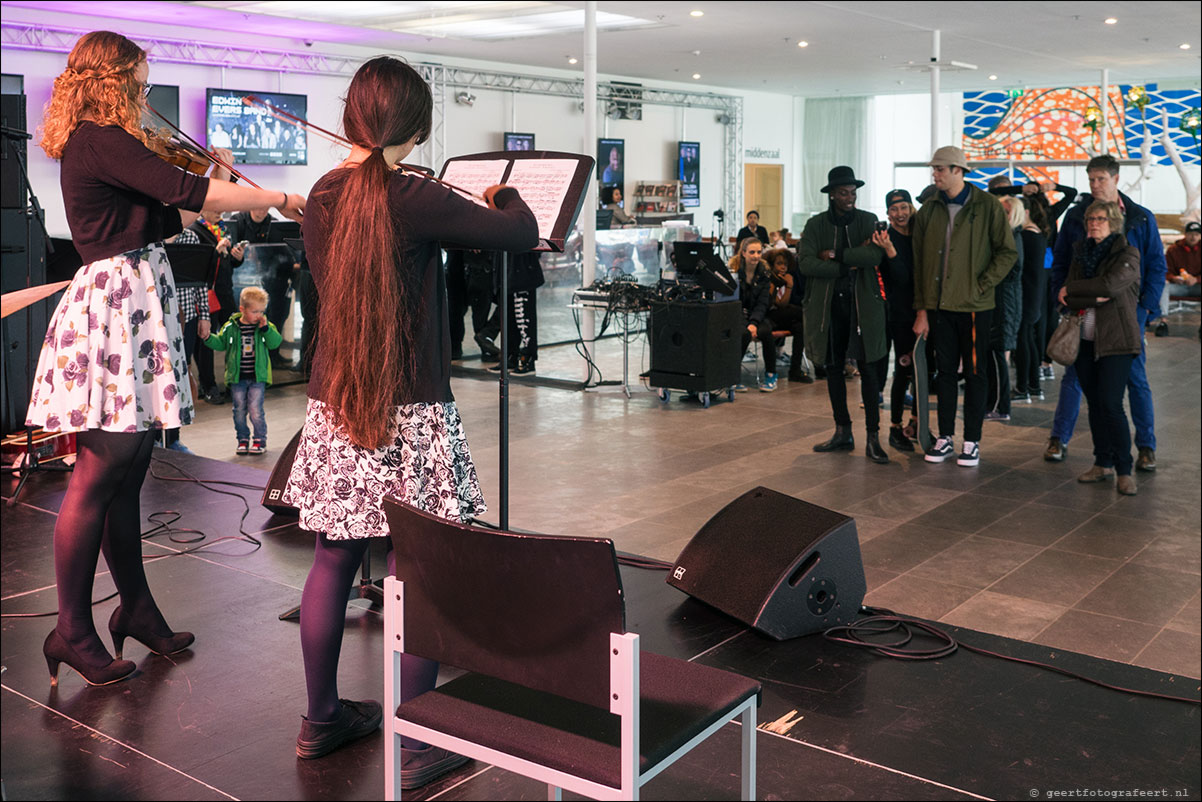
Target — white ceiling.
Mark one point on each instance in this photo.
(855, 48)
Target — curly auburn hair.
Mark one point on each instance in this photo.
(98, 83)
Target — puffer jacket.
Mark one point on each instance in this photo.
(1118, 278)
(982, 253)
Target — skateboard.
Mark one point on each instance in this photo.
(922, 394)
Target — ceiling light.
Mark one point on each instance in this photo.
(803, 43)
(1184, 45)
(573, 60)
(993, 77)
(1111, 21)
(697, 13)
(696, 76)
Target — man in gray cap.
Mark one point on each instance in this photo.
(962, 249)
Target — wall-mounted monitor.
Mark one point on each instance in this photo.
(611, 161)
(688, 170)
(251, 131)
(516, 141)
(12, 84)
(164, 100)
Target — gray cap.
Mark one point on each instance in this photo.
(949, 156)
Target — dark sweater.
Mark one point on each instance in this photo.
(114, 191)
(424, 214)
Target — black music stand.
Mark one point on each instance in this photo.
(562, 189)
(32, 211)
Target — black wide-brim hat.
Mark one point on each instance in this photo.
(840, 177)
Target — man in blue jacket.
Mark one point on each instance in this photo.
(1142, 233)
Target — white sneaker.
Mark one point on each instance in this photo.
(970, 454)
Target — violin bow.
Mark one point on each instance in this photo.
(200, 149)
(299, 122)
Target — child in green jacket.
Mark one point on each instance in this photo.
(246, 338)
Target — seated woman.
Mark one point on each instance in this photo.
(611, 199)
(755, 291)
(1103, 284)
(784, 312)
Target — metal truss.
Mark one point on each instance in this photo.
(53, 39)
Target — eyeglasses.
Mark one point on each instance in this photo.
(1096, 219)
(145, 89)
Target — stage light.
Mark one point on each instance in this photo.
(465, 98)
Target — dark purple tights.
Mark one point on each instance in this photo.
(100, 512)
(322, 619)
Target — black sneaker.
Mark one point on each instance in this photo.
(970, 455)
(1021, 396)
(355, 719)
(423, 766)
(941, 450)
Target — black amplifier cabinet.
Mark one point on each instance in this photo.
(696, 346)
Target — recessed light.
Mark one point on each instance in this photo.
(1111, 21)
(696, 76)
(1184, 45)
(697, 13)
(803, 43)
(993, 77)
(573, 60)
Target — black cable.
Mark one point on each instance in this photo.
(163, 520)
(648, 563)
(881, 622)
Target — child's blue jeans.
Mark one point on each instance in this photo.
(248, 398)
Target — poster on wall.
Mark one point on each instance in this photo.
(516, 141)
(251, 130)
(611, 161)
(688, 170)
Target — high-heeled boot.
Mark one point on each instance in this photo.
(840, 441)
(121, 627)
(56, 651)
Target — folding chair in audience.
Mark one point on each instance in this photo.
(557, 690)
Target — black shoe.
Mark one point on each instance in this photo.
(487, 347)
(56, 650)
(423, 766)
(524, 366)
(1020, 396)
(819, 372)
(874, 451)
(800, 377)
(1146, 460)
(355, 719)
(1056, 452)
(841, 441)
(898, 439)
(214, 396)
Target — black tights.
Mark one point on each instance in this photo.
(322, 620)
(100, 512)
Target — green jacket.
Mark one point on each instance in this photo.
(821, 275)
(229, 339)
(982, 253)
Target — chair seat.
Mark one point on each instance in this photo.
(678, 700)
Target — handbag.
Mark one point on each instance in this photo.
(1065, 341)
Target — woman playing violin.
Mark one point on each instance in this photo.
(381, 418)
(112, 366)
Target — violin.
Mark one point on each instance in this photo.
(185, 152)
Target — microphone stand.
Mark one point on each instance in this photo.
(32, 211)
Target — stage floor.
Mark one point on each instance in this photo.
(219, 720)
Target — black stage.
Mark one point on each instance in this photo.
(220, 720)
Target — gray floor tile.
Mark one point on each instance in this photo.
(1140, 593)
(1098, 635)
(1174, 652)
(1058, 577)
(907, 546)
(975, 562)
(922, 598)
(1004, 615)
(1037, 524)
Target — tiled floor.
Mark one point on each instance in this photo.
(1014, 547)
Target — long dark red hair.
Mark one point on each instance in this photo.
(367, 318)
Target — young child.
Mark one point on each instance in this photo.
(246, 338)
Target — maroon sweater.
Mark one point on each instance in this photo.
(424, 214)
(114, 191)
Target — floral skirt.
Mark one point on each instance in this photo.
(113, 357)
(338, 486)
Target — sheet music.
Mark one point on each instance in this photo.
(543, 184)
(475, 175)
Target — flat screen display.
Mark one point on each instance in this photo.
(251, 131)
(516, 141)
(164, 100)
(689, 173)
(611, 161)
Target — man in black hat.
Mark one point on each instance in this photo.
(844, 309)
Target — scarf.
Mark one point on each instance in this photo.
(1092, 253)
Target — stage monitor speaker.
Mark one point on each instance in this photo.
(273, 493)
(12, 114)
(780, 565)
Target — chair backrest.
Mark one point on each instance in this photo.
(535, 610)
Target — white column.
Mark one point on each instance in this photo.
(934, 91)
(588, 218)
(1102, 105)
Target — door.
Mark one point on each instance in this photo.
(762, 185)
